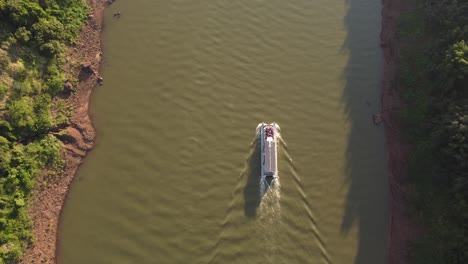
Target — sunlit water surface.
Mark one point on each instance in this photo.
(174, 175)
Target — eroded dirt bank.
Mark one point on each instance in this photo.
(49, 198)
(401, 230)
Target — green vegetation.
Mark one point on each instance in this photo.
(33, 37)
(434, 78)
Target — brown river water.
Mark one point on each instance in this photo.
(174, 174)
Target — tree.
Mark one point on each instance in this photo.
(30, 118)
(47, 29)
(457, 58)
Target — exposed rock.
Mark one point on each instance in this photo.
(66, 137)
(87, 69)
(68, 87)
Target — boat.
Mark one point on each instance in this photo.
(268, 135)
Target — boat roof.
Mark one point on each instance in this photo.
(270, 156)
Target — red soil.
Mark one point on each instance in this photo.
(401, 229)
(48, 199)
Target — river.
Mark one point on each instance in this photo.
(174, 174)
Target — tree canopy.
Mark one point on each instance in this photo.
(33, 37)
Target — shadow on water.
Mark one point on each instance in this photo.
(366, 169)
(252, 196)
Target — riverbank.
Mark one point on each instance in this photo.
(49, 199)
(401, 229)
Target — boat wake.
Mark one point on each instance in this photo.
(256, 209)
(312, 222)
(260, 216)
(269, 222)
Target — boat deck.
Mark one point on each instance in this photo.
(270, 157)
(268, 144)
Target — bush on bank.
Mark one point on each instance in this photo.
(33, 37)
(434, 77)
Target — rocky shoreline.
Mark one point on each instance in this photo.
(48, 199)
(401, 229)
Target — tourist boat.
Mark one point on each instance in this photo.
(268, 135)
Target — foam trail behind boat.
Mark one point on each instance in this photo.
(313, 225)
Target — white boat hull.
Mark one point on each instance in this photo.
(268, 135)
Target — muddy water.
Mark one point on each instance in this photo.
(174, 175)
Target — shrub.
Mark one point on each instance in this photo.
(55, 84)
(22, 88)
(42, 120)
(22, 116)
(22, 13)
(17, 70)
(46, 30)
(52, 48)
(23, 35)
(54, 79)
(28, 118)
(3, 90)
(5, 154)
(4, 60)
(6, 130)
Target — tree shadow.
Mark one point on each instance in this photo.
(366, 169)
(252, 196)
